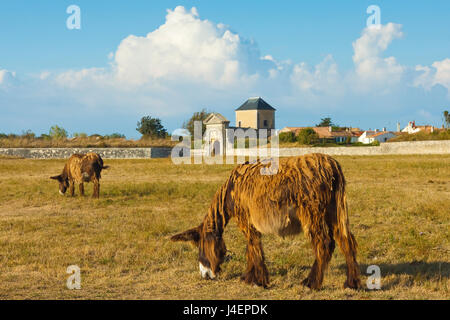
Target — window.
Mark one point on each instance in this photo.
(265, 123)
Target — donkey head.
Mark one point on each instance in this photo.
(211, 247)
(63, 183)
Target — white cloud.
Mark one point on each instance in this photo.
(371, 68)
(187, 49)
(7, 77)
(438, 73)
(324, 77)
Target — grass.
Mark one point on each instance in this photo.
(399, 208)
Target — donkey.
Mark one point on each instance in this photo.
(81, 168)
(308, 193)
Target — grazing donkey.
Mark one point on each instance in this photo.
(81, 168)
(308, 193)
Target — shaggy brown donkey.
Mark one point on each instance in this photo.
(81, 168)
(308, 193)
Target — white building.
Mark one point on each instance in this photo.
(412, 128)
(370, 136)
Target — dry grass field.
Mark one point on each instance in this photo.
(399, 212)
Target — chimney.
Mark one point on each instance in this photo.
(329, 129)
(432, 129)
(384, 129)
(398, 126)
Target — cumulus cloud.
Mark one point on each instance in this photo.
(187, 48)
(437, 74)
(324, 77)
(7, 78)
(370, 67)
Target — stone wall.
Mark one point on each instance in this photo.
(107, 153)
(391, 148)
(410, 147)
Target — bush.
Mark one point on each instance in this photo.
(28, 134)
(307, 136)
(115, 136)
(57, 132)
(80, 135)
(287, 137)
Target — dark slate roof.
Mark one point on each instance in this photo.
(255, 104)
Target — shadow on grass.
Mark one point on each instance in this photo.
(416, 270)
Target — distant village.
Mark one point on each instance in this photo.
(257, 114)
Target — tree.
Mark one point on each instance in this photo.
(325, 122)
(287, 137)
(57, 132)
(151, 127)
(447, 119)
(307, 136)
(197, 116)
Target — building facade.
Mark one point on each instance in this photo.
(255, 113)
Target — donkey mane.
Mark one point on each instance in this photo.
(307, 193)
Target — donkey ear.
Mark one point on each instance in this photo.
(188, 235)
(59, 178)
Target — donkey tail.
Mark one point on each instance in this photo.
(342, 229)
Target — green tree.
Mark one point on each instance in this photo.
(447, 119)
(325, 122)
(307, 136)
(197, 116)
(57, 132)
(151, 127)
(287, 137)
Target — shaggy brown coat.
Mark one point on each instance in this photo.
(307, 193)
(81, 168)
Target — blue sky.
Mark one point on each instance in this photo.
(314, 69)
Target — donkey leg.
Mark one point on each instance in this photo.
(81, 188)
(96, 193)
(323, 246)
(72, 188)
(347, 244)
(256, 272)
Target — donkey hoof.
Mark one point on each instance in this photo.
(250, 278)
(353, 284)
(310, 284)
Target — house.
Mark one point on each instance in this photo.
(255, 113)
(215, 134)
(381, 136)
(412, 128)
